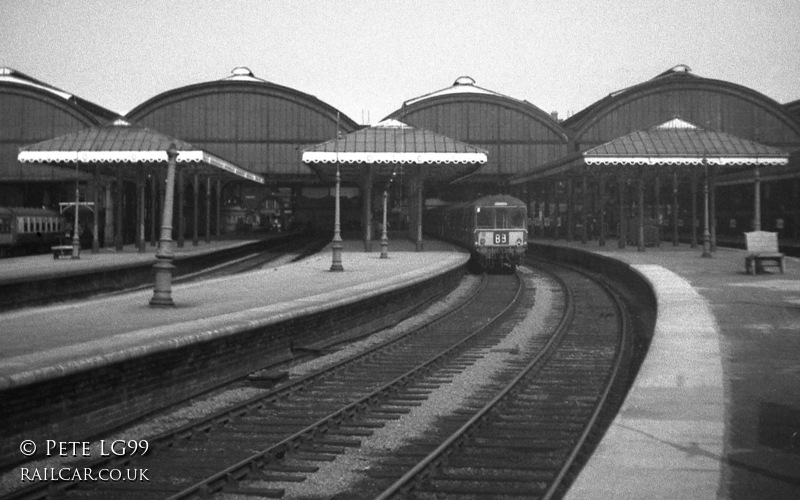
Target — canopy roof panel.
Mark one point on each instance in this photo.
(391, 143)
(123, 142)
(677, 142)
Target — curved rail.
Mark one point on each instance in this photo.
(424, 469)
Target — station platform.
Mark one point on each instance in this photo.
(715, 409)
(35, 266)
(39, 343)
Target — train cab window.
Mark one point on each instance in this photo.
(485, 217)
(509, 218)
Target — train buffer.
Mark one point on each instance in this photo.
(762, 251)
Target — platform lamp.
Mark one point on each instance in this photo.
(162, 290)
(76, 239)
(336, 244)
(384, 232)
(706, 232)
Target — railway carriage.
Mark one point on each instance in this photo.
(29, 230)
(492, 228)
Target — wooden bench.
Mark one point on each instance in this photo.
(762, 248)
(63, 249)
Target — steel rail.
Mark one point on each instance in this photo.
(420, 472)
(242, 468)
(220, 417)
(601, 404)
(417, 473)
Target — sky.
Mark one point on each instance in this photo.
(365, 57)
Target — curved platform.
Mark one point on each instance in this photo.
(42, 342)
(715, 409)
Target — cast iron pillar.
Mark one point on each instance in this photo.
(162, 291)
(384, 235)
(336, 245)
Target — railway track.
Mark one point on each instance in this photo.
(213, 454)
(519, 427)
(530, 438)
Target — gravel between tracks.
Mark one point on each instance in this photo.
(202, 406)
(338, 476)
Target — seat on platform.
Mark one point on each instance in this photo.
(762, 251)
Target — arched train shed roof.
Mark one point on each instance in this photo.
(713, 104)
(258, 125)
(32, 111)
(793, 108)
(517, 135)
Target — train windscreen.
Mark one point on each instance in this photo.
(501, 217)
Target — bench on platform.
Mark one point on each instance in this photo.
(762, 248)
(63, 249)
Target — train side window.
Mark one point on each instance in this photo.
(517, 217)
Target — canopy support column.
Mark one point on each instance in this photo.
(140, 188)
(706, 233)
(570, 207)
(384, 234)
(219, 208)
(162, 291)
(623, 229)
(557, 209)
(657, 208)
(640, 202)
(118, 212)
(195, 210)
(366, 202)
(96, 215)
(420, 204)
(153, 206)
(694, 208)
(675, 241)
(602, 189)
(181, 201)
(712, 201)
(336, 245)
(76, 238)
(757, 201)
(208, 210)
(584, 210)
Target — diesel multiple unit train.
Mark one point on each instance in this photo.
(29, 230)
(493, 228)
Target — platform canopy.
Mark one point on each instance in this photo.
(123, 142)
(675, 143)
(386, 146)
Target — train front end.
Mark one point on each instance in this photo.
(500, 233)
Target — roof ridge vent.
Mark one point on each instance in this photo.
(241, 71)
